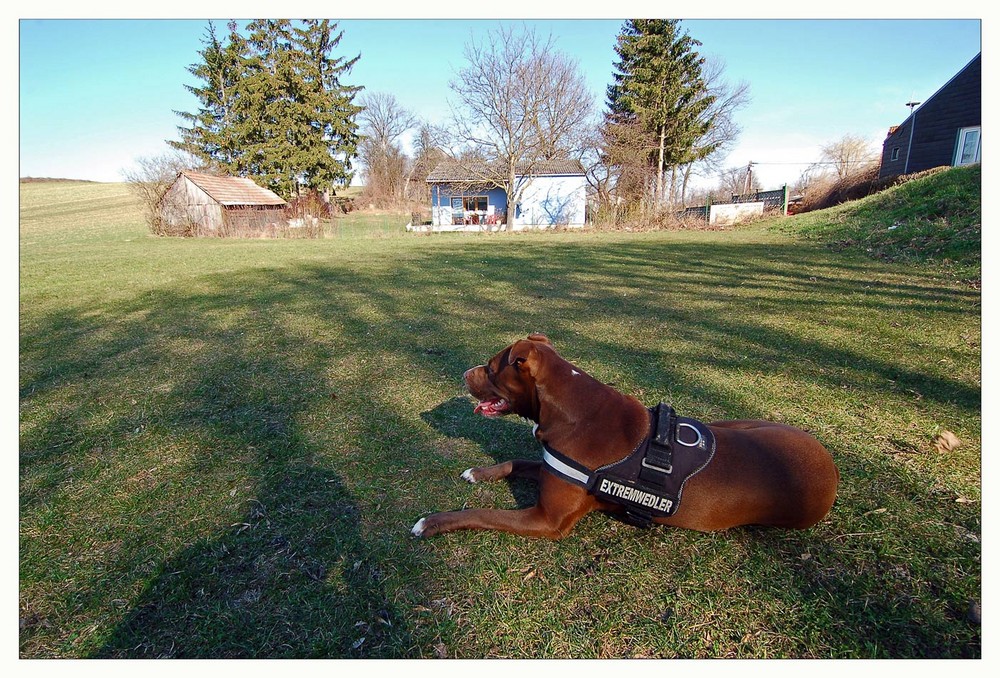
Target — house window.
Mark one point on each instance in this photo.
(475, 204)
(469, 203)
(895, 153)
(969, 144)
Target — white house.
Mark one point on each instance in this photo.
(463, 197)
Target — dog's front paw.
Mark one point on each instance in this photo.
(418, 529)
(426, 527)
(469, 475)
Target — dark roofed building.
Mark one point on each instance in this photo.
(944, 130)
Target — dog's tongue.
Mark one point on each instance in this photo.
(491, 408)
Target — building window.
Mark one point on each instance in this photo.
(895, 154)
(969, 145)
(474, 204)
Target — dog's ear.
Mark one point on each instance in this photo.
(523, 353)
(539, 337)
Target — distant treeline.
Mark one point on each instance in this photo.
(33, 180)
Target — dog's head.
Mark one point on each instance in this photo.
(508, 382)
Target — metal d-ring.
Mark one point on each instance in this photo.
(696, 443)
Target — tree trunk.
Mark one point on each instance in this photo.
(684, 183)
(658, 198)
(513, 195)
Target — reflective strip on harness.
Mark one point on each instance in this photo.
(563, 469)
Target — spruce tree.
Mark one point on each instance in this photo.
(283, 116)
(269, 88)
(323, 112)
(210, 135)
(658, 88)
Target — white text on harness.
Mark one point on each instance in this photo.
(635, 495)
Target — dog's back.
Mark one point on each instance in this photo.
(764, 473)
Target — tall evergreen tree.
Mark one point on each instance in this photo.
(286, 118)
(659, 89)
(324, 111)
(210, 135)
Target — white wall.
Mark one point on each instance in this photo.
(441, 215)
(733, 213)
(552, 201)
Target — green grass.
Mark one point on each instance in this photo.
(367, 225)
(224, 444)
(937, 219)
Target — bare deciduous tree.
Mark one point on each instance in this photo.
(622, 166)
(152, 176)
(383, 122)
(519, 102)
(733, 181)
(427, 154)
(723, 133)
(848, 155)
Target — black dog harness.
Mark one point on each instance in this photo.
(649, 481)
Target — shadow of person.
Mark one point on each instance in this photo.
(291, 579)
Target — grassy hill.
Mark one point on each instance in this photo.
(223, 444)
(936, 219)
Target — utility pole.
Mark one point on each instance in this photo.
(748, 181)
(912, 103)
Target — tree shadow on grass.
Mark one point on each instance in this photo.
(186, 418)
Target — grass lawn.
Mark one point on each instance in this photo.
(368, 225)
(224, 443)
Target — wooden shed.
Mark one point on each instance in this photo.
(207, 205)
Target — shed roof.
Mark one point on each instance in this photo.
(232, 190)
(452, 170)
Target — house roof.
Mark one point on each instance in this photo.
(941, 89)
(454, 171)
(232, 190)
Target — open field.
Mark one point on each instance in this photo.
(224, 443)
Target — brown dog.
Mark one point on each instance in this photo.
(762, 473)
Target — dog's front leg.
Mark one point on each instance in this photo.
(516, 468)
(560, 506)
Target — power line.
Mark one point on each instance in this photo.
(808, 163)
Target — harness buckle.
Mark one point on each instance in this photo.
(668, 470)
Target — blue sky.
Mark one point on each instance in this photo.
(96, 94)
